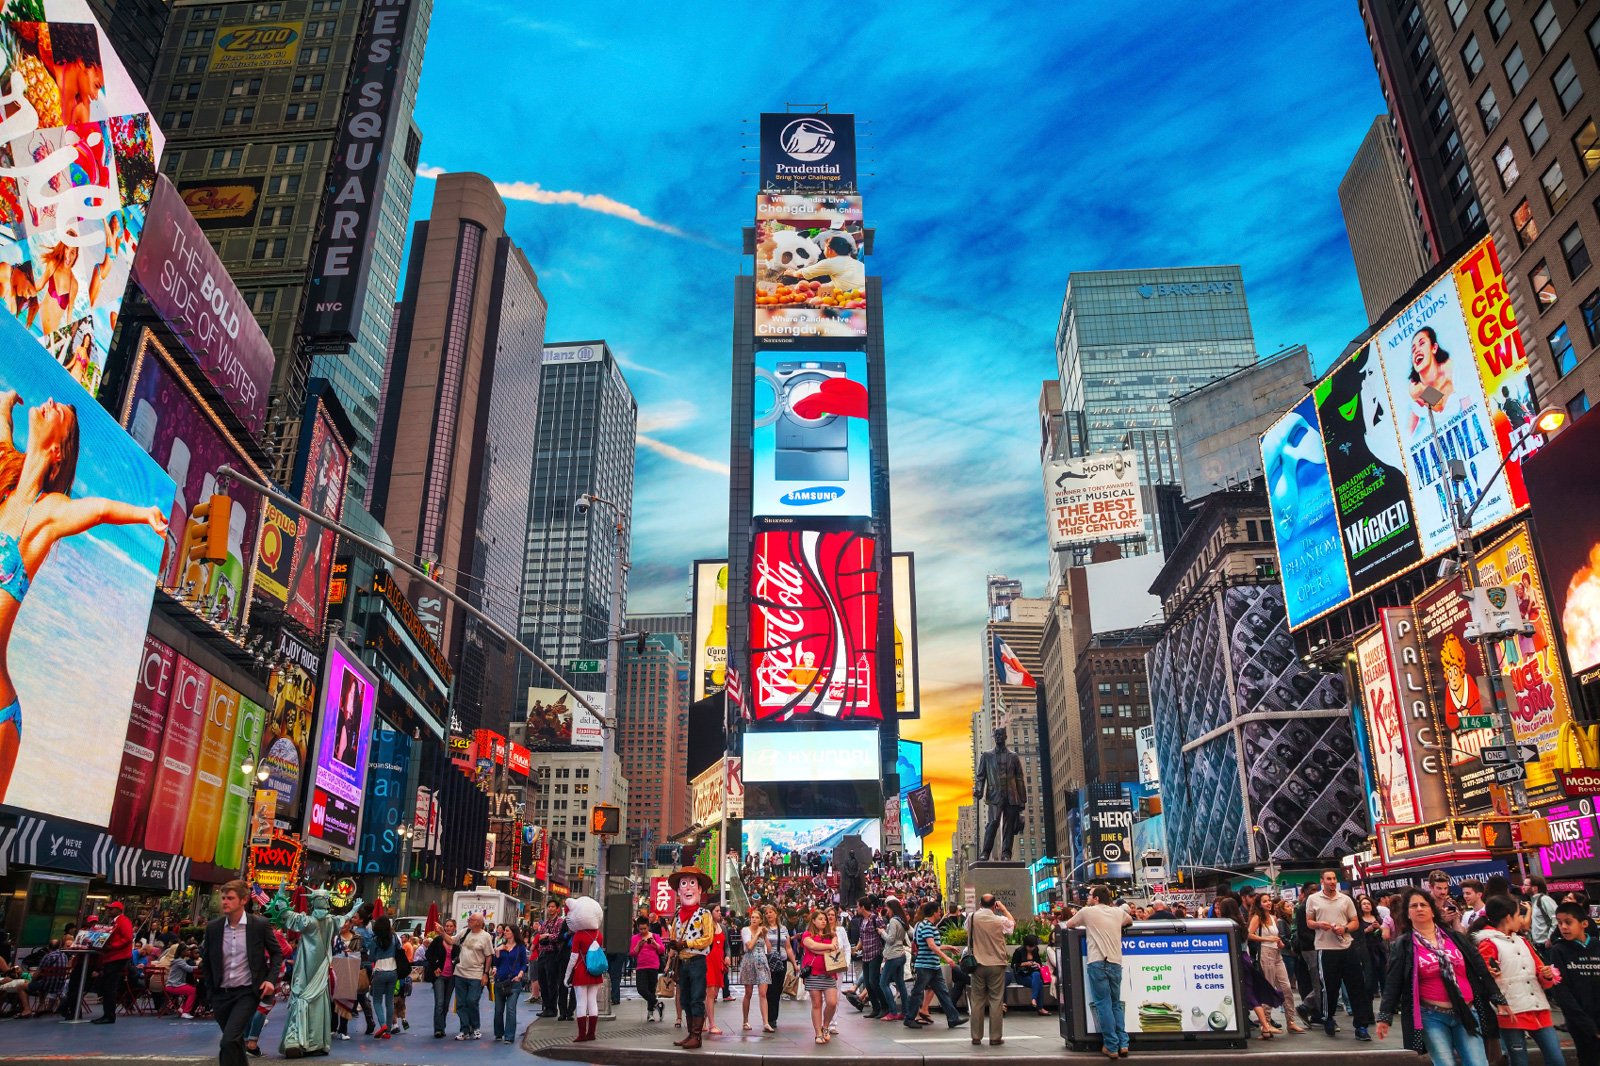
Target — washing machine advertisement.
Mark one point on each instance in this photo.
(811, 442)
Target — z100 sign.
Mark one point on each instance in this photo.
(814, 626)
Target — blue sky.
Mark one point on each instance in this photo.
(1003, 146)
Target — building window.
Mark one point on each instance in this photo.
(1462, 181)
(1594, 37)
(1420, 52)
(1489, 109)
(284, 185)
(291, 153)
(1451, 148)
(198, 38)
(226, 157)
(1505, 161)
(244, 87)
(1441, 113)
(1574, 252)
(1568, 89)
(1522, 219)
(263, 302)
(1587, 144)
(267, 11)
(1472, 57)
(191, 65)
(275, 248)
(1542, 284)
(1561, 351)
(1555, 187)
(1545, 26)
(1413, 17)
(1578, 406)
(310, 57)
(1516, 69)
(238, 116)
(278, 216)
(303, 83)
(1590, 307)
(1431, 82)
(1499, 18)
(1533, 125)
(300, 112)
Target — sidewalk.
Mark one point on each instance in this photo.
(1029, 1038)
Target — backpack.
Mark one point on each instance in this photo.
(595, 961)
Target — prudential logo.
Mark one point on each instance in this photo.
(808, 140)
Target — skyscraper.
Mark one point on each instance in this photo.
(1130, 340)
(653, 738)
(458, 442)
(136, 28)
(1533, 63)
(1427, 123)
(1380, 217)
(254, 137)
(587, 416)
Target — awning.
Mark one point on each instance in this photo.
(138, 868)
(60, 844)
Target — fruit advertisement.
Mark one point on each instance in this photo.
(811, 272)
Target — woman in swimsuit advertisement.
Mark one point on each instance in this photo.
(36, 512)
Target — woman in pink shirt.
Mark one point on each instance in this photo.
(648, 951)
(1437, 983)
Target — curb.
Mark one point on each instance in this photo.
(603, 1055)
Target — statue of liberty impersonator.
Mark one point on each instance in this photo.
(308, 1026)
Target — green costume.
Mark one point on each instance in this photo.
(308, 1027)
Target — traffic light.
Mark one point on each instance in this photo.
(205, 538)
(605, 820)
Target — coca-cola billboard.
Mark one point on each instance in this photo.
(814, 627)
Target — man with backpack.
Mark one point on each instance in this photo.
(1542, 920)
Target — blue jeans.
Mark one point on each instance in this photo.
(442, 989)
(383, 982)
(468, 991)
(1034, 979)
(692, 986)
(1516, 1042)
(893, 976)
(1449, 1043)
(1105, 999)
(506, 994)
(931, 977)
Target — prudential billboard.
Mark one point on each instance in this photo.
(811, 446)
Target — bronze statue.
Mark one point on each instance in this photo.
(1001, 785)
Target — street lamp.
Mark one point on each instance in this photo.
(1549, 420)
(619, 568)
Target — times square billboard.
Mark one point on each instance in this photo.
(1358, 472)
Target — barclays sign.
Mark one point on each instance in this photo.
(1195, 288)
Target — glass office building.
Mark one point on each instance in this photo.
(1130, 340)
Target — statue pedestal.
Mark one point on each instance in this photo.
(1009, 881)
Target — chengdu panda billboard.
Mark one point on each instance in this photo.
(811, 271)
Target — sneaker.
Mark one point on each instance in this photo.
(465, 1034)
(893, 1018)
(342, 1036)
(438, 1034)
(187, 1017)
(1362, 1034)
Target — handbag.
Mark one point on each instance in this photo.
(791, 984)
(595, 961)
(834, 959)
(968, 963)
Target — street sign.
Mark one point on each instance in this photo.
(1477, 721)
(1509, 754)
(584, 666)
(1515, 772)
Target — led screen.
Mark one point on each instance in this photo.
(1426, 347)
(709, 656)
(789, 835)
(1311, 563)
(907, 690)
(810, 448)
(814, 627)
(908, 764)
(73, 216)
(829, 755)
(75, 599)
(349, 693)
(1566, 496)
(811, 270)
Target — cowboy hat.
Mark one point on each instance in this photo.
(691, 871)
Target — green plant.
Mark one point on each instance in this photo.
(1038, 927)
(954, 937)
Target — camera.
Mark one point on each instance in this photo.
(580, 506)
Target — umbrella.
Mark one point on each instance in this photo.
(433, 918)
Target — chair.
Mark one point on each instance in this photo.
(51, 977)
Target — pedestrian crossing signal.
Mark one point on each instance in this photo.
(605, 820)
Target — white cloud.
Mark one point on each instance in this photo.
(534, 193)
(669, 414)
(678, 455)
